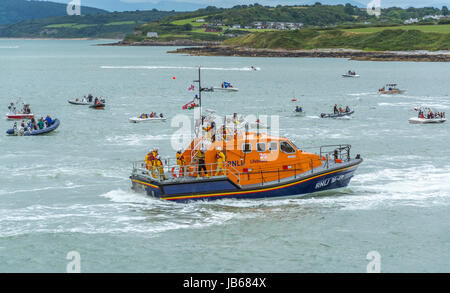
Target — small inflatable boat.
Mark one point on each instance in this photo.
(138, 120)
(416, 120)
(299, 113)
(350, 75)
(324, 115)
(21, 132)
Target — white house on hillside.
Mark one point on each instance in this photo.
(152, 35)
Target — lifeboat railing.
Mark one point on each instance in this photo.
(173, 172)
(335, 153)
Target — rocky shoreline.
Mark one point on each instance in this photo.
(323, 53)
(175, 43)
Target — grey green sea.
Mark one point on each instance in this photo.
(70, 190)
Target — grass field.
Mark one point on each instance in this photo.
(121, 22)
(189, 20)
(443, 28)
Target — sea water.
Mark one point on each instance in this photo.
(69, 191)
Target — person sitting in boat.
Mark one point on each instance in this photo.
(23, 126)
(341, 110)
(220, 158)
(90, 97)
(48, 121)
(161, 115)
(347, 109)
(41, 123)
(336, 111)
(26, 109)
(33, 123)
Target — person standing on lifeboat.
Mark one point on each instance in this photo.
(224, 132)
(153, 157)
(220, 157)
(160, 167)
(201, 163)
(208, 129)
(180, 162)
(149, 162)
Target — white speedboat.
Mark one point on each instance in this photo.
(350, 75)
(223, 89)
(153, 119)
(417, 120)
(390, 89)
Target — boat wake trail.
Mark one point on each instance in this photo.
(421, 186)
(181, 67)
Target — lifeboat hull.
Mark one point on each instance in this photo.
(224, 188)
(19, 116)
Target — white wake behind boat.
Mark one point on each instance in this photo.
(228, 89)
(154, 119)
(417, 120)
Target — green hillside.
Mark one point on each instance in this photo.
(385, 40)
(13, 11)
(218, 24)
(107, 25)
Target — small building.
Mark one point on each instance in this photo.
(152, 35)
(200, 20)
(411, 20)
(435, 17)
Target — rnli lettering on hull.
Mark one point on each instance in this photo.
(235, 163)
(328, 181)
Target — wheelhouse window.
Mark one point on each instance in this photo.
(261, 147)
(273, 146)
(247, 148)
(287, 147)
